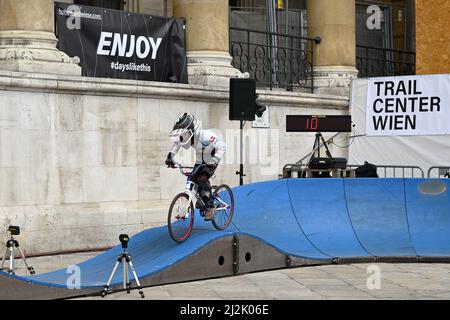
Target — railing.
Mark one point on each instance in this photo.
(442, 172)
(379, 62)
(391, 171)
(300, 169)
(274, 60)
(384, 171)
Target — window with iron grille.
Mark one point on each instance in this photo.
(268, 39)
(388, 50)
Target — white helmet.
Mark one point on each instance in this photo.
(185, 129)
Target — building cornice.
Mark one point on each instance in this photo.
(161, 90)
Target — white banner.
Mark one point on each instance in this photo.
(410, 105)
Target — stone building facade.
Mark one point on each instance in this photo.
(81, 159)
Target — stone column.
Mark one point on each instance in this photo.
(335, 57)
(207, 41)
(27, 40)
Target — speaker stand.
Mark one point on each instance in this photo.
(241, 173)
(317, 144)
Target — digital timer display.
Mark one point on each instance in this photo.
(302, 123)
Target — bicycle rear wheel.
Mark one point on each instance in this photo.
(180, 220)
(224, 203)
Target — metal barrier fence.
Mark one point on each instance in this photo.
(442, 172)
(384, 171)
(391, 171)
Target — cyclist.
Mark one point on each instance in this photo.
(209, 147)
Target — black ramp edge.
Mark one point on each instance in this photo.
(434, 259)
(14, 289)
(293, 261)
(388, 259)
(349, 260)
(219, 259)
(255, 255)
(214, 260)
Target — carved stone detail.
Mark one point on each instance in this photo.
(19, 54)
(66, 59)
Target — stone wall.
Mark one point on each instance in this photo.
(81, 159)
(432, 36)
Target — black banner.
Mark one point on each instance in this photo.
(123, 45)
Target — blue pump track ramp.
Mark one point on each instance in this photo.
(276, 224)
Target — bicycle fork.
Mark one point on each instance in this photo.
(184, 212)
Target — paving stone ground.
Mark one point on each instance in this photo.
(335, 282)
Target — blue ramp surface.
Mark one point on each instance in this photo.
(428, 205)
(377, 211)
(320, 208)
(317, 220)
(264, 210)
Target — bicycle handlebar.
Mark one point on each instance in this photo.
(185, 173)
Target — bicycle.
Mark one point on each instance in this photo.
(180, 220)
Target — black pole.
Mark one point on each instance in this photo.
(241, 166)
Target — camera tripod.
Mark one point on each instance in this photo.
(317, 144)
(12, 244)
(125, 259)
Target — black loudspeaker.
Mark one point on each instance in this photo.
(242, 99)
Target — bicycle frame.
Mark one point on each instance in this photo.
(191, 190)
(192, 187)
(225, 207)
(179, 231)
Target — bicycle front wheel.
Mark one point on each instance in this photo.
(224, 204)
(180, 220)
